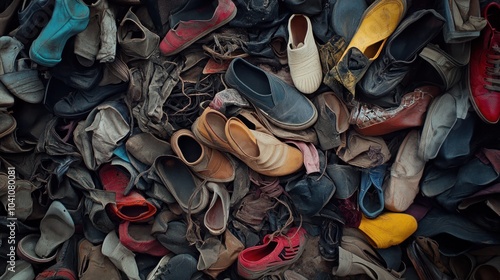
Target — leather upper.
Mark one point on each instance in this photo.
(206, 162)
(262, 152)
(484, 68)
(401, 50)
(373, 120)
(278, 101)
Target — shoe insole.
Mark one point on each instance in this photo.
(215, 217)
(194, 10)
(372, 202)
(190, 148)
(298, 28)
(177, 175)
(254, 80)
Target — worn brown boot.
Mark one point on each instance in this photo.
(373, 120)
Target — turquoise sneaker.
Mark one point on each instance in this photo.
(69, 18)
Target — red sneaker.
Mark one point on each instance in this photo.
(193, 21)
(254, 262)
(484, 67)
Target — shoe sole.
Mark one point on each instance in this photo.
(201, 35)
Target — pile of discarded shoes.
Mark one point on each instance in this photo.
(247, 139)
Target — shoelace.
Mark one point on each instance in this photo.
(493, 72)
(193, 232)
(66, 130)
(268, 185)
(227, 46)
(183, 105)
(159, 272)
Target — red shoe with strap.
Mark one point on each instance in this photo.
(484, 67)
(275, 253)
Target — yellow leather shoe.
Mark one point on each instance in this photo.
(205, 162)
(377, 23)
(262, 152)
(208, 128)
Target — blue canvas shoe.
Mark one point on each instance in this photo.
(275, 100)
(371, 195)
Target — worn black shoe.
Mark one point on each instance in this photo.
(66, 262)
(427, 267)
(74, 74)
(329, 240)
(402, 49)
(80, 102)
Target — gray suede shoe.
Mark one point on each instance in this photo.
(277, 101)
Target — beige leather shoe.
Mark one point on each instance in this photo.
(303, 56)
(262, 152)
(205, 162)
(402, 186)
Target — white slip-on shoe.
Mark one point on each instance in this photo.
(303, 55)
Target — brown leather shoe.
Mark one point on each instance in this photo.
(372, 120)
(228, 254)
(92, 264)
(262, 152)
(204, 161)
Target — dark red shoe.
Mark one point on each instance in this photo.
(137, 238)
(281, 251)
(132, 207)
(484, 67)
(193, 21)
